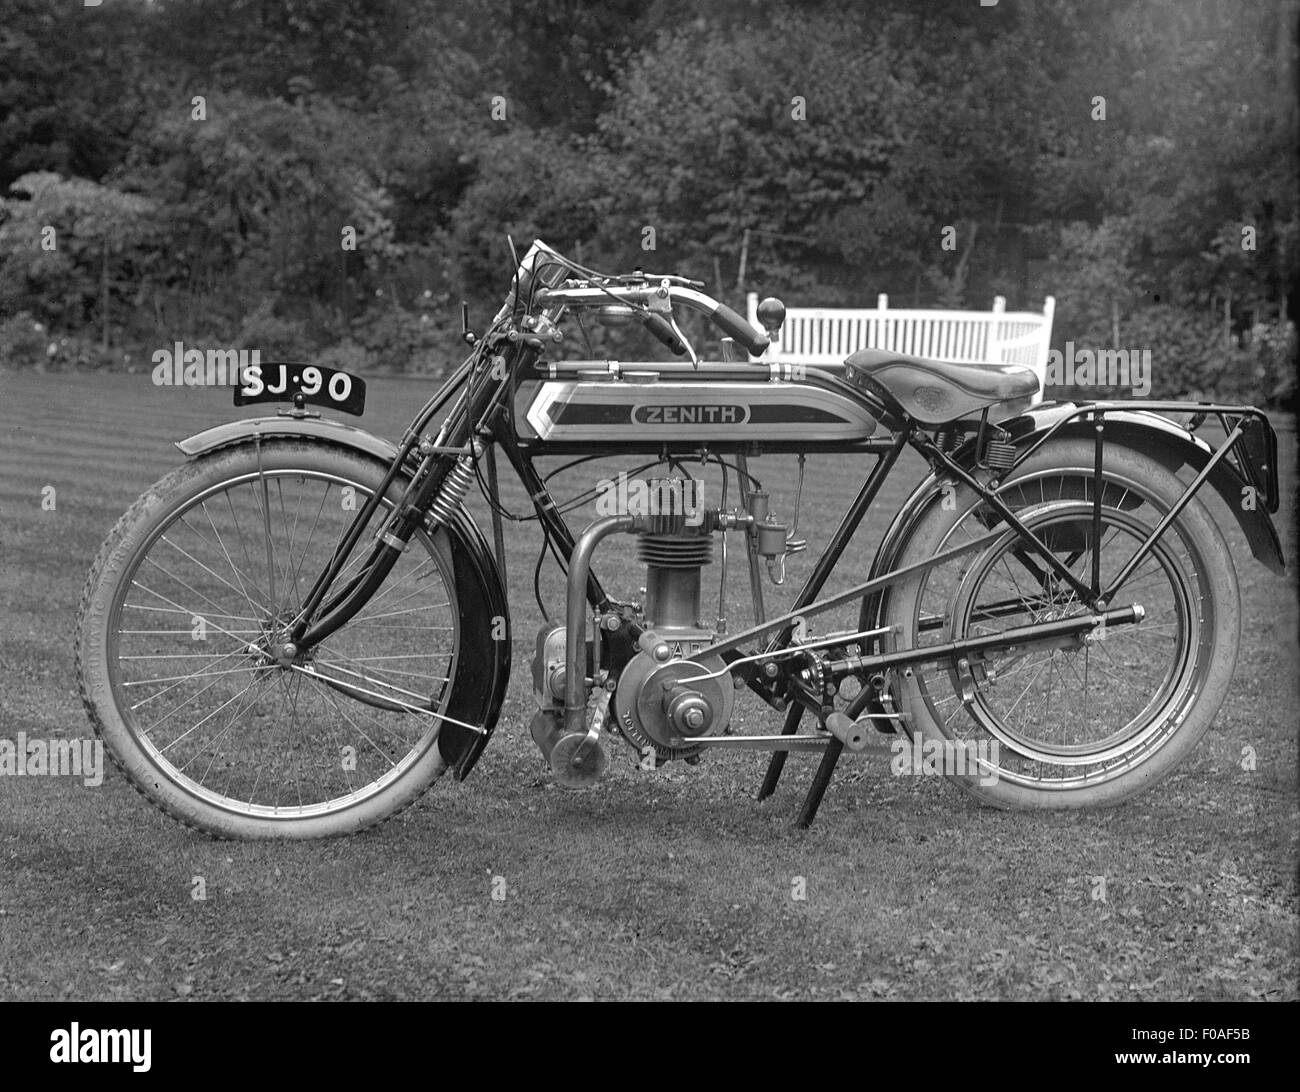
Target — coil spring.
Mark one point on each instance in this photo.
(999, 451)
(454, 487)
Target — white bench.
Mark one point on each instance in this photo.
(821, 335)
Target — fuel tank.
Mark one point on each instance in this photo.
(631, 405)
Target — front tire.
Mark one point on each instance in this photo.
(187, 604)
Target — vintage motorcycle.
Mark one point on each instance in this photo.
(297, 631)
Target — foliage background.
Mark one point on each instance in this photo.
(626, 114)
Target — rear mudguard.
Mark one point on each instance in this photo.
(1149, 433)
(482, 673)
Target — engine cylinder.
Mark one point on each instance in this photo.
(664, 704)
(672, 582)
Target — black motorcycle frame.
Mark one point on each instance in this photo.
(483, 394)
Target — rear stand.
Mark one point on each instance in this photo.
(812, 801)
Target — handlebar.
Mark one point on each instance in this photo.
(729, 322)
(722, 316)
(541, 275)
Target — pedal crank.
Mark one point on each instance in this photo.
(578, 760)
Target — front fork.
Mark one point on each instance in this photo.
(388, 547)
(436, 490)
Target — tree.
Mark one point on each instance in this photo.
(75, 83)
(62, 241)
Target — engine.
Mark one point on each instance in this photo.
(667, 691)
(665, 696)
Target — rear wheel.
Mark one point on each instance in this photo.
(183, 664)
(1094, 719)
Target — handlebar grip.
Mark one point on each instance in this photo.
(733, 324)
(663, 330)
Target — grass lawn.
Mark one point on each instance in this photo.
(673, 884)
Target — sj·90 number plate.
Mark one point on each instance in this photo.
(318, 386)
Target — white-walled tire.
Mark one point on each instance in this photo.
(188, 594)
(1090, 724)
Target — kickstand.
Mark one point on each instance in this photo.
(811, 802)
(777, 762)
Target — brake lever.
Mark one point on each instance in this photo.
(690, 349)
(681, 282)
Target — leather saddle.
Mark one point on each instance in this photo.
(933, 392)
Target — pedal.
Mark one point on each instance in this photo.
(577, 758)
(577, 762)
(852, 733)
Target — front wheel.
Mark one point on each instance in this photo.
(1081, 722)
(182, 634)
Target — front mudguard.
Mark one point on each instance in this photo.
(1157, 436)
(482, 673)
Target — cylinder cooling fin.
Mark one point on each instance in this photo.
(675, 551)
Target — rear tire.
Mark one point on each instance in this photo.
(1080, 726)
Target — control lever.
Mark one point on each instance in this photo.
(638, 276)
(794, 544)
(663, 330)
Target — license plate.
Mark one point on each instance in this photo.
(318, 386)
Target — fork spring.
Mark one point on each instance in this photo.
(454, 487)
